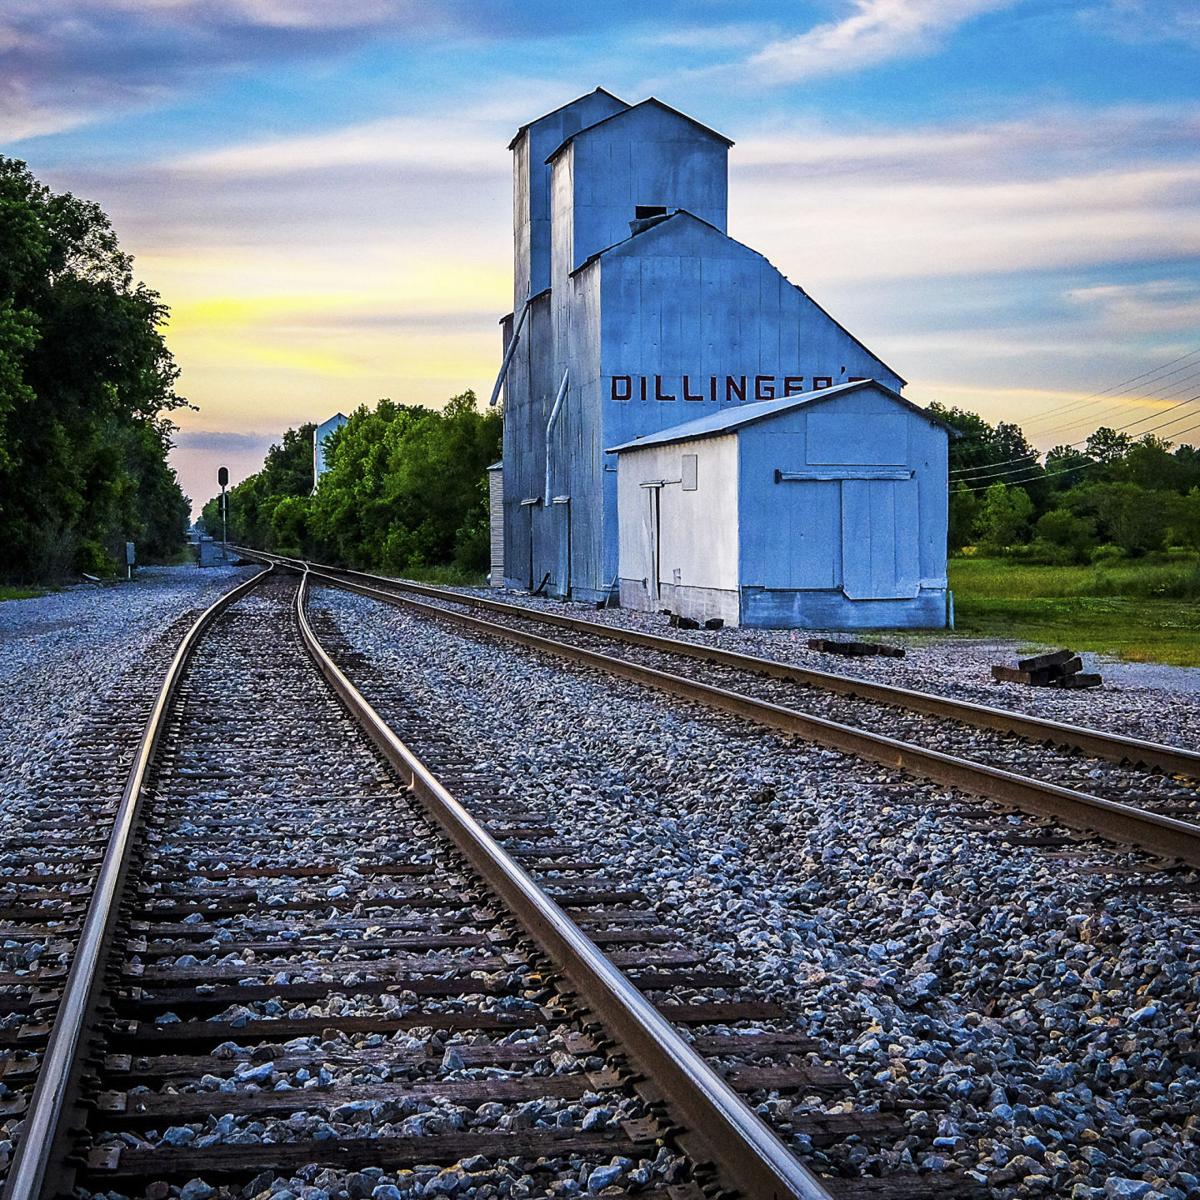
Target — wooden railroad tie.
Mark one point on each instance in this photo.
(855, 649)
(1059, 668)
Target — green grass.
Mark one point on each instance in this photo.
(1140, 611)
(21, 593)
(448, 576)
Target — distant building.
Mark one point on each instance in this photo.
(826, 509)
(320, 436)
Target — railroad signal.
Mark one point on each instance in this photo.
(223, 480)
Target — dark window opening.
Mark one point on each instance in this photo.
(643, 212)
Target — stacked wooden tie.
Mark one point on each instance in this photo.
(1061, 669)
(855, 649)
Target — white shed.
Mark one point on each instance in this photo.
(821, 510)
(495, 475)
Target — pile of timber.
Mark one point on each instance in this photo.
(678, 622)
(855, 649)
(1061, 669)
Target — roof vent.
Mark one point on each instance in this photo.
(645, 215)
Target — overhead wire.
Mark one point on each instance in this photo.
(1010, 478)
(1116, 390)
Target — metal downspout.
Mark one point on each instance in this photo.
(512, 346)
(551, 421)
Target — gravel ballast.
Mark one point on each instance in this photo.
(1146, 700)
(62, 652)
(1033, 1011)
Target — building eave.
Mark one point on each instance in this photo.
(528, 124)
(720, 137)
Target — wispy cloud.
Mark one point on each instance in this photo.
(1153, 306)
(450, 144)
(68, 62)
(1142, 22)
(1056, 189)
(874, 31)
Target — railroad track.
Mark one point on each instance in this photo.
(304, 960)
(1125, 789)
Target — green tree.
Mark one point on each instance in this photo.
(85, 382)
(1107, 446)
(964, 511)
(1004, 517)
(1073, 537)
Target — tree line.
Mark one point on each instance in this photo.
(86, 383)
(1117, 497)
(405, 489)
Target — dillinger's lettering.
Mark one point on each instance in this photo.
(726, 387)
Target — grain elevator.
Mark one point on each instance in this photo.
(634, 311)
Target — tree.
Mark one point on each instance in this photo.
(964, 510)
(1004, 517)
(405, 488)
(1072, 536)
(85, 381)
(1066, 467)
(1107, 446)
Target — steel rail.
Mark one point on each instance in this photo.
(1165, 836)
(747, 1154)
(44, 1140)
(1112, 747)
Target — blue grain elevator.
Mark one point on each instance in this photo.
(635, 312)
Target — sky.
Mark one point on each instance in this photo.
(1000, 197)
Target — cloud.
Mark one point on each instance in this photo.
(218, 440)
(1139, 22)
(1152, 306)
(64, 63)
(447, 145)
(1054, 190)
(875, 31)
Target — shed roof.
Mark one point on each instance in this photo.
(728, 419)
(602, 91)
(651, 100)
(646, 228)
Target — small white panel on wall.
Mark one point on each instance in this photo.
(854, 438)
(690, 472)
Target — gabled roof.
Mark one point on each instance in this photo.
(728, 419)
(602, 91)
(652, 100)
(659, 222)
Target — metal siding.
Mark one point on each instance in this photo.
(876, 557)
(697, 530)
(531, 187)
(647, 156)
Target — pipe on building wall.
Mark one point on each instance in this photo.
(512, 346)
(555, 409)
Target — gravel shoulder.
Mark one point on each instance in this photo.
(1148, 700)
(59, 653)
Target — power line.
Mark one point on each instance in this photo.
(1009, 474)
(1030, 478)
(986, 467)
(1069, 404)
(1113, 391)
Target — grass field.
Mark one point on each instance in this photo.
(20, 593)
(1140, 611)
